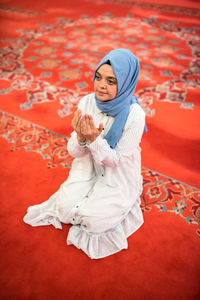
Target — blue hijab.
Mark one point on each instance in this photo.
(126, 68)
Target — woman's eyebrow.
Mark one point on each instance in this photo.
(109, 77)
(112, 77)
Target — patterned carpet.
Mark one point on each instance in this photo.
(48, 55)
(161, 192)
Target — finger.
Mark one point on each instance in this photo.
(87, 121)
(76, 116)
(83, 125)
(91, 122)
(78, 124)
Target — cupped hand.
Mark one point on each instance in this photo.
(88, 128)
(76, 124)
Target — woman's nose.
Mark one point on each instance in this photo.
(102, 84)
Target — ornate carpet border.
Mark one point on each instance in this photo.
(25, 135)
(166, 194)
(18, 11)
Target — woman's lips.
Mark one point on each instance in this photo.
(101, 93)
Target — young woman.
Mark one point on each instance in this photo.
(101, 197)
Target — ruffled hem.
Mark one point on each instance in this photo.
(94, 245)
(101, 245)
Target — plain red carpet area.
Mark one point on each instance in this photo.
(49, 50)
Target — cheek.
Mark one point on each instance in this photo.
(113, 91)
(95, 85)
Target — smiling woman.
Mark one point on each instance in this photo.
(101, 197)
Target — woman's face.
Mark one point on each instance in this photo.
(105, 84)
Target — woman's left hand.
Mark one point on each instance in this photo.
(88, 128)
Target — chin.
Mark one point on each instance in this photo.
(102, 98)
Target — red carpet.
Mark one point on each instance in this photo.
(48, 53)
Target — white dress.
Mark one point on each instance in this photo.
(101, 197)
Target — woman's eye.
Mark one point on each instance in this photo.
(111, 82)
(98, 77)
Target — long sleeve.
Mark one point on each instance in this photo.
(127, 145)
(74, 148)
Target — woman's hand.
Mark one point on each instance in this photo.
(76, 124)
(88, 128)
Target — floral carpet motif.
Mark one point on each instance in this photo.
(23, 134)
(159, 191)
(169, 195)
(55, 62)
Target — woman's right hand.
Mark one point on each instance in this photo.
(76, 124)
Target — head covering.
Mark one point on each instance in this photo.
(126, 68)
